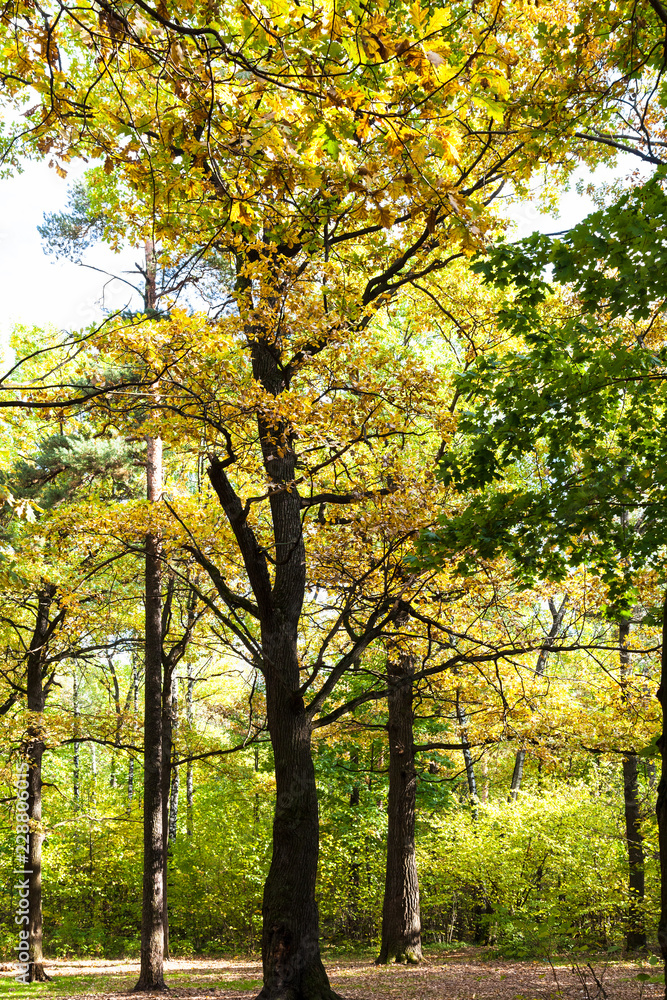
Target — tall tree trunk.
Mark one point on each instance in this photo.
(517, 774)
(166, 786)
(76, 769)
(118, 709)
(401, 922)
(467, 756)
(151, 976)
(33, 750)
(353, 921)
(636, 934)
(135, 710)
(661, 802)
(292, 965)
(557, 616)
(93, 774)
(484, 769)
(189, 778)
(291, 960)
(173, 796)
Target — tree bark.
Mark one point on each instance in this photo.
(557, 616)
(291, 960)
(401, 922)
(151, 976)
(661, 802)
(636, 932)
(33, 750)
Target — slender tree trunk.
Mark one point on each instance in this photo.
(467, 756)
(76, 769)
(517, 774)
(135, 709)
(166, 787)
(401, 922)
(661, 802)
(557, 616)
(189, 778)
(636, 935)
(152, 929)
(173, 796)
(353, 922)
(173, 807)
(33, 750)
(484, 768)
(118, 709)
(93, 774)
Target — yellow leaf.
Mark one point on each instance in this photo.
(439, 20)
(416, 12)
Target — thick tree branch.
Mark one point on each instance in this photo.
(253, 556)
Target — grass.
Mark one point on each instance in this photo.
(62, 986)
(103, 984)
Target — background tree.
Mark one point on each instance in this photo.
(577, 416)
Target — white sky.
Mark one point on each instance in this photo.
(35, 290)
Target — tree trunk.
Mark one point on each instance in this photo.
(557, 616)
(517, 774)
(401, 922)
(93, 774)
(173, 796)
(33, 750)
(291, 960)
(636, 934)
(118, 709)
(135, 709)
(484, 768)
(467, 756)
(166, 786)
(76, 768)
(151, 976)
(189, 778)
(661, 802)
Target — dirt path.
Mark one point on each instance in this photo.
(463, 975)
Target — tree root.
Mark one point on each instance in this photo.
(404, 956)
(289, 993)
(38, 974)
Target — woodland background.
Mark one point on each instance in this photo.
(350, 473)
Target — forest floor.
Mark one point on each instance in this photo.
(465, 974)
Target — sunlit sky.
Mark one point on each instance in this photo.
(39, 291)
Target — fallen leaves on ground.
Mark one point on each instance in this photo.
(468, 974)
